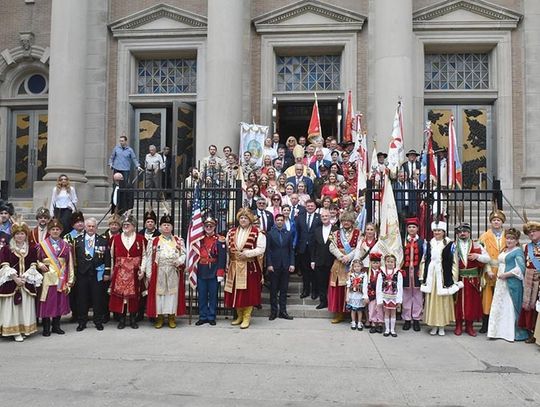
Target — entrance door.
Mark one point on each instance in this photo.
(150, 129)
(184, 116)
(28, 151)
(474, 138)
(293, 118)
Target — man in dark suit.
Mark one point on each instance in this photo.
(119, 199)
(306, 224)
(321, 258)
(266, 219)
(92, 257)
(319, 163)
(285, 156)
(319, 182)
(411, 164)
(250, 201)
(300, 177)
(279, 263)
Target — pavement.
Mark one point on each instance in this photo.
(305, 362)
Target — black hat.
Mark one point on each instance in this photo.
(380, 153)
(440, 150)
(463, 226)
(77, 216)
(150, 215)
(166, 219)
(7, 207)
(412, 152)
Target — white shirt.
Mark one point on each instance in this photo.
(326, 230)
(63, 199)
(154, 162)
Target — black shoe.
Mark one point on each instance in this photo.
(314, 296)
(407, 325)
(394, 335)
(386, 334)
(81, 327)
(416, 326)
(122, 322)
(379, 329)
(201, 322)
(272, 316)
(46, 327)
(322, 305)
(485, 323)
(56, 326)
(304, 295)
(99, 326)
(133, 322)
(284, 315)
(373, 330)
(212, 322)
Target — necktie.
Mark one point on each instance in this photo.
(280, 238)
(309, 221)
(263, 218)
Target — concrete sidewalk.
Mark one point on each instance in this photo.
(305, 362)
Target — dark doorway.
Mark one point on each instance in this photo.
(293, 118)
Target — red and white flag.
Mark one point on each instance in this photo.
(396, 151)
(314, 128)
(455, 178)
(194, 237)
(348, 133)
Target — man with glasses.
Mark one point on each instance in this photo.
(266, 219)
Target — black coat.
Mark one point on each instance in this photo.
(320, 251)
(269, 220)
(86, 264)
(305, 235)
(279, 253)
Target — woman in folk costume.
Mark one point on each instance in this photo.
(344, 245)
(127, 250)
(163, 261)
(390, 292)
(368, 242)
(494, 242)
(55, 262)
(529, 313)
(440, 274)
(19, 280)
(508, 296)
(246, 245)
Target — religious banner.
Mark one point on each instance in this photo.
(252, 139)
(396, 152)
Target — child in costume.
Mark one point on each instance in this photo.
(389, 292)
(357, 296)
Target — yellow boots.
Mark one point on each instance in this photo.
(247, 317)
(159, 322)
(172, 321)
(339, 317)
(239, 318)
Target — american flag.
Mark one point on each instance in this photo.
(194, 237)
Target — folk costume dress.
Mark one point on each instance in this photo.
(126, 257)
(508, 298)
(494, 244)
(528, 316)
(244, 276)
(413, 301)
(163, 267)
(357, 290)
(375, 311)
(342, 243)
(366, 247)
(440, 282)
(18, 304)
(389, 288)
(54, 297)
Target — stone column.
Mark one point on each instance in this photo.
(224, 65)
(67, 97)
(531, 141)
(391, 61)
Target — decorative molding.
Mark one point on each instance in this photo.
(133, 25)
(26, 38)
(11, 57)
(494, 16)
(341, 19)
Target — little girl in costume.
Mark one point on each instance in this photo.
(375, 313)
(357, 296)
(390, 293)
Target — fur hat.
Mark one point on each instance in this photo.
(114, 218)
(77, 216)
(513, 232)
(7, 207)
(54, 223)
(439, 226)
(129, 218)
(43, 212)
(531, 226)
(497, 213)
(150, 214)
(19, 226)
(245, 212)
(349, 216)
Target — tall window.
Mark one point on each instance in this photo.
(308, 73)
(456, 71)
(160, 76)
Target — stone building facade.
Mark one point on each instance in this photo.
(76, 74)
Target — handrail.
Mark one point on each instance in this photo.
(504, 197)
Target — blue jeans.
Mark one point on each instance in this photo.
(207, 291)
